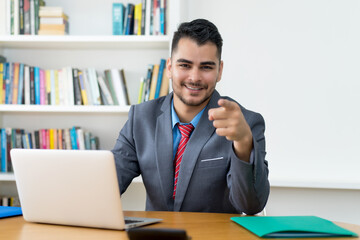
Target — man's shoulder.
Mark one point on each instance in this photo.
(151, 106)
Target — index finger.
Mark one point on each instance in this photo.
(227, 104)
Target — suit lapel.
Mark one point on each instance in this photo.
(199, 137)
(164, 146)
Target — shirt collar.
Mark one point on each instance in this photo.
(175, 118)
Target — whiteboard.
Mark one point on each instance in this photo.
(298, 64)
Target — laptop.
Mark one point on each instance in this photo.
(71, 187)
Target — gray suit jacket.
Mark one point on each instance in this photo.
(211, 178)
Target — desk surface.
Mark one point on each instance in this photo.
(198, 225)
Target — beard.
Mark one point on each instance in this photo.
(193, 102)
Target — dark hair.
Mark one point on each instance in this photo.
(201, 31)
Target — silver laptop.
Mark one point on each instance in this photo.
(71, 187)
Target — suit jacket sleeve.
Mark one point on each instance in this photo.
(124, 151)
(248, 183)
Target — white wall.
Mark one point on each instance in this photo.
(297, 63)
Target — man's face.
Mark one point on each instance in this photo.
(194, 71)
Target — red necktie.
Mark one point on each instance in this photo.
(185, 131)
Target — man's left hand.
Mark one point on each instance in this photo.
(229, 122)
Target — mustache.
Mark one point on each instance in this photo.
(195, 85)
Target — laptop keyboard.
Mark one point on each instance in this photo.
(128, 221)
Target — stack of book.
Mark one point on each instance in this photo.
(71, 138)
(155, 84)
(19, 16)
(9, 201)
(148, 17)
(23, 84)
(53, 21)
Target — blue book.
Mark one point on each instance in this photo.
(129, 25)
(10, 211)
(162, 17)
(160, 77)
(3, 150)
(118, 18)
(37, 85)
(73, 138)
(7, 82)
(21, 84)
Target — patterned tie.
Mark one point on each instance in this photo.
(185, 131)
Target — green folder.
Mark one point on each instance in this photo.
(292, 227)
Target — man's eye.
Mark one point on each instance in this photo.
(184, 65)
(207, 67)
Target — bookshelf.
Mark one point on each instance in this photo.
(90, 43)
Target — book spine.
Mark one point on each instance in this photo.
(32, 85)
(27, 17)
(77, 91)
(42, 87)
(70, 86)
(73, 138)
(26, 85)
(118, 18)
(15, 86)
(160, 77)
(37, 85)
(1, 82)
(3, 150)
(21, 84)
(109, 81)
(21, 16)
(84, 96)
(140, 95)
(124, 87)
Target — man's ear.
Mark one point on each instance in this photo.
(168, 67)
(220, 71)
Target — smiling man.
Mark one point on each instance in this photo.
(196, 151)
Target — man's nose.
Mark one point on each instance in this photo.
(195, 74)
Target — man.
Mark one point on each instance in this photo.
(221, 167)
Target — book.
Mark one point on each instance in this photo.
(42, 87)
(19, 99)
(118, 18)
(94, 86)
(70, 86)
(137, 19)
(15, 83)
(292, 227)
(163, 17)
(32, 85)
(109, 82)
(86, 77)
(47, 11)
(160, 77)
(27, 19)
(164, 90)
(84, 97)
(154, 81)
(129, 24)
(9, 211)
(141, 88)
(26, 85)
(21, 17)
(124, 86)
(147, 83)
(3, 18)
(118, 86)
(1, 82)
(105, 92)
(37, 85)
(76, 86)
